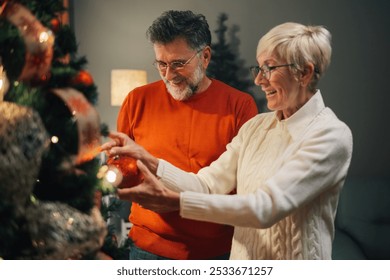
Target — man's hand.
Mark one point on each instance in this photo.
(121, 144)
(151, 193)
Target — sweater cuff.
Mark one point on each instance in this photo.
(167, 173)
(178, 180)
(193, 206)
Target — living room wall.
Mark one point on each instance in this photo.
(111, 34)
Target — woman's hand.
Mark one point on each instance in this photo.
(121, 144)
(151, 193)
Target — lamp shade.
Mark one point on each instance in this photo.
(123, 81)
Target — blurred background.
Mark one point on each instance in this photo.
(111, 34)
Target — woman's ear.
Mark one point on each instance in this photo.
(307, 74)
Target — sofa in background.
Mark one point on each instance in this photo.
(363, 220)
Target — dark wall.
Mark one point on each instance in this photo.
(112, 35)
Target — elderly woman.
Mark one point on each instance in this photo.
(289, 165)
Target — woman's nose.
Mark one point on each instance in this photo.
(260, 79)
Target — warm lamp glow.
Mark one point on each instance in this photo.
(123, 81)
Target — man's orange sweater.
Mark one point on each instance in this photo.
(189, 134)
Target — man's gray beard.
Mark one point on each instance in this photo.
(181, 95)
(190, 89)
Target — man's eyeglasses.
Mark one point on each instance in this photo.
(265, 70)
(174, 65)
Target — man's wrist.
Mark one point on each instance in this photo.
(151, 162)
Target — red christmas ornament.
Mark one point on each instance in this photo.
(130, 172)
(55, 24)
(83, 77)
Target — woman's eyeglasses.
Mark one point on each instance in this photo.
(265, 70)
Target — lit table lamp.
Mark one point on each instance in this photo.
(123, 81)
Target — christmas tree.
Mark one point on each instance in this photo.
(50, 173)
(225, 64)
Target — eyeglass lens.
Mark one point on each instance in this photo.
(175, 65)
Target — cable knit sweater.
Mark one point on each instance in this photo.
(288, 174)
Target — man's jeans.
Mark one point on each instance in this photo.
(139, 254)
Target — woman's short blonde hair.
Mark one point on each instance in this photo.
(299, 44)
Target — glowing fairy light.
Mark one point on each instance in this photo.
(44, 36)
(54, 139)
(111, 176)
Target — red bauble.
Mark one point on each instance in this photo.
(55, 24)
(83, 77)
(129, 169)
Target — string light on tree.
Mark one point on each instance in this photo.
(128, 169)
(50, 138)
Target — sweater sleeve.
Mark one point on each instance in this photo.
(178, 180)
(316, 165)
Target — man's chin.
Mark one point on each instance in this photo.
(179, 95)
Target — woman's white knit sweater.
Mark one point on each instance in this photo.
(288, 176)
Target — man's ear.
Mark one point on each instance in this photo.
(206, 56)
